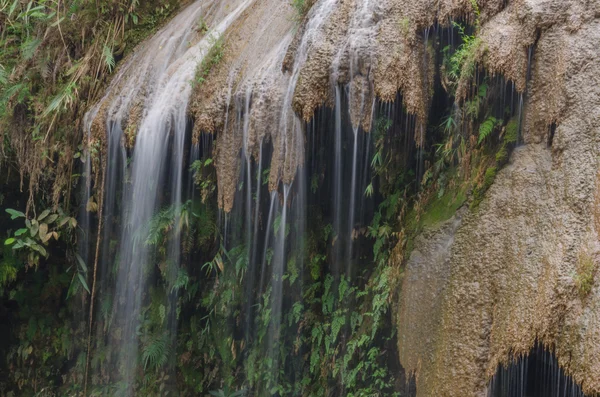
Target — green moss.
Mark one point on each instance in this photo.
(443, 208)
(301, 7)
(584, 279)
(479, 191)
(502, 155)
(511, 133)
(437, 211)
(404, 25)
(490, 175)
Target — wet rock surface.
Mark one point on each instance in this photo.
(513, 271)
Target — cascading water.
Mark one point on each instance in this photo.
(535, 375)
(168, 66)
(271, 172)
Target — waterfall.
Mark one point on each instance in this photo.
(158, 79)
(281, 174)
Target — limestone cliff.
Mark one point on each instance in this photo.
(511, 273)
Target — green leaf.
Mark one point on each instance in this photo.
(486, 128)
(109, 60)
(51, 218)
(39, 249)
(63, 221)
(21, 231)
(369, 190)
(12, 8)
(29, 47)
(43, 232)
(14, 214)
(9, 241)
(81, 263)
(83, 282)
(44, 214)
(58, 22)
(34, 228)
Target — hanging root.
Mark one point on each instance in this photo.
(93, 294)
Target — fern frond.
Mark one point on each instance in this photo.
(65, 98)
(156, 351)
(486, 128)
(109, 59)
(3, 75)
(29, 47)
(482, 91)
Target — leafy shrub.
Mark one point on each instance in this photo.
(211, 59)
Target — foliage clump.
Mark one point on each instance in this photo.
(212, 58)
(55, 58)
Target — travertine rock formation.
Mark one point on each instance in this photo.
(509, 274)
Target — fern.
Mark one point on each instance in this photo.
(482, 90)
(73, 8)
(336, 325)
(3, 75)
(182, 280)
(65, 98)
(19, 91)
(159, 225)
(156, 351)
(29, 47)
(369, 190)
(448, 124)
(486, 128)
(109, 59)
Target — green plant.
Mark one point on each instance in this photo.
(301, 8)
(511, 134)
(381, 158)
(459, 67)
(487, 127)
(109, 59)
(35, 236)
(211, 59)
(481, 188)
(204, 177)
(155, 351)
(202, 26)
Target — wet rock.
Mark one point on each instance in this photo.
(513, 268)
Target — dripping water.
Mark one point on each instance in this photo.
(535, 375)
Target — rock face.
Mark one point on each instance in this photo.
(513, 272)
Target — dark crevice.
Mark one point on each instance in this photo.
(551, 132)
(536, 375)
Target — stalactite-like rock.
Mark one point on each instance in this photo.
(512, 270)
